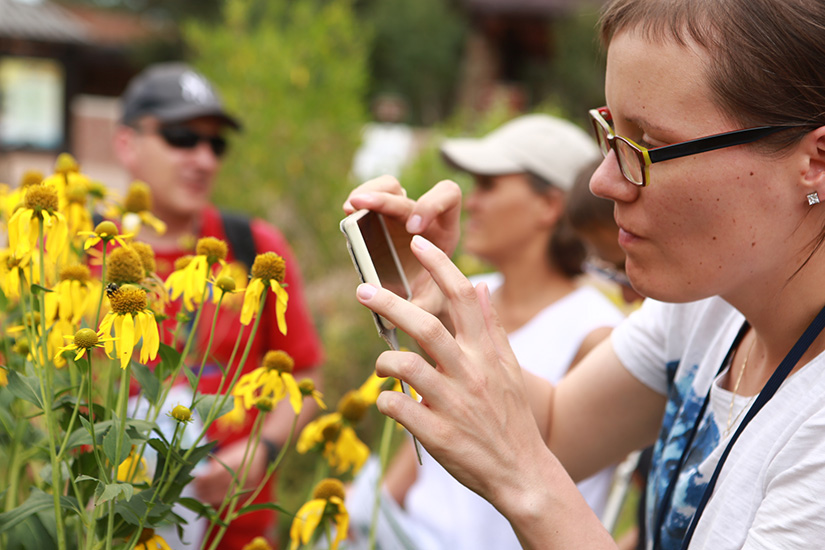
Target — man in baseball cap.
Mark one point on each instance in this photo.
(172, 137)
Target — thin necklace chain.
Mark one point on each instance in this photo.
(731, 420)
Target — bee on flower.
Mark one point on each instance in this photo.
(269, 270)
(130, 321)
(327, 505)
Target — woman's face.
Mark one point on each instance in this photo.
(504, 214)
(717, 223)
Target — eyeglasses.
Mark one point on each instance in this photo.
(635, 160)
(183, 137)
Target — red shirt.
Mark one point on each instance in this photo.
(301, 343)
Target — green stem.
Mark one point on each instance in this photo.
(384, 454)
(47, 389)
(207, 350)
(122, 401)
(73, 417)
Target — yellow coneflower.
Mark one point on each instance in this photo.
(181, 413)
(269, 270)
(327, 504)
(130, 321)
(307, 387)
(124, 266)
(335, 437)
(84, 340)
(233, 419)
(104, 231)
(14, 270)
(192, 274)
(147, 256)
(149, 540)
(13, 198)
(133, 470)
(272, 379)
(4, 377)
(74, 296)
(78, 216)
(40, 205)
(137, 209)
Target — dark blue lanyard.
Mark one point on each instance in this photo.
(768, 391)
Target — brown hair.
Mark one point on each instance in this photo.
(565, 251)
(765, 55)
(585, 210)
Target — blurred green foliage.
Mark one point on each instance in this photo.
(417, 53)
(295, 73)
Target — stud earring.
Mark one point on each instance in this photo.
(813, 198)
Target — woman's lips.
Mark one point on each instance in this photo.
(626, 237)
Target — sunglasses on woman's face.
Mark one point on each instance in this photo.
(183, 137)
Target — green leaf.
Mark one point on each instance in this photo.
(38, 501)
(26, 388)
(147, 380)
(113, 490)
(264, 506)
(110, 441)
(37, 289)
(191, 376)
(169, 359)
(204, 404)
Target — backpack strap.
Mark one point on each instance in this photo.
(239, 235)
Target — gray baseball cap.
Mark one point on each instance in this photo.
(173, 92)
(549, 147)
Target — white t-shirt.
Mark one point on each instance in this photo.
(769, 494)
(447, 515)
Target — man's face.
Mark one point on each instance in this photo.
(176, 161)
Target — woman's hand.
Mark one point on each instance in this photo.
(435, 215)
(474, 417)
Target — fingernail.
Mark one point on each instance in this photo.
(414, 223)
(421, 243)
(366, 291)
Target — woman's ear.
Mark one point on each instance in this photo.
(813, 145)
(552, 202)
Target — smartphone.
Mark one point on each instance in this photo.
(380, 251)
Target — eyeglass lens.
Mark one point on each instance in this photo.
(627, 156)
(185, 138)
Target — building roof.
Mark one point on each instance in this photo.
(41, 21)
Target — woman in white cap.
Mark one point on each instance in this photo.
(515, 223)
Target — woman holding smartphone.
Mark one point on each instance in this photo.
(515, 222)
(714, 137)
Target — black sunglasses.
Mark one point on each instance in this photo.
(183, 137)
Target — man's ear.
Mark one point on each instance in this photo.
(124, 146)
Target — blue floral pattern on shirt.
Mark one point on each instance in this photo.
(682, 409)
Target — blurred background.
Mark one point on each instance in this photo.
(330, 92)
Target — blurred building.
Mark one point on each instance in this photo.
(508, 40)
(61, 70)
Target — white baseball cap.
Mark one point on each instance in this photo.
(549, 147)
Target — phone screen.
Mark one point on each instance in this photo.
(385, 259)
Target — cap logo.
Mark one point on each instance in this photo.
(195, 88)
